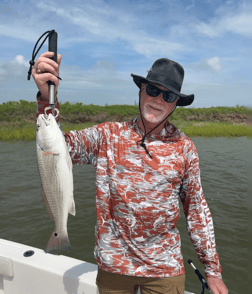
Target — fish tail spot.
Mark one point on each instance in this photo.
(58, 242)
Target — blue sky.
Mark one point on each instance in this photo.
(103, 42)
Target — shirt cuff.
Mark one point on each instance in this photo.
(42, 104)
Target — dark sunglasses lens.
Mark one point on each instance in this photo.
(152, 90)
(169, 97)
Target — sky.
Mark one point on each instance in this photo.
(103, 42)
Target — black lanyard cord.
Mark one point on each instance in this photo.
(34, 56)
(142, 144)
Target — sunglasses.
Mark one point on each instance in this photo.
(154, 92)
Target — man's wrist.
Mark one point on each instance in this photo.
(44, 99)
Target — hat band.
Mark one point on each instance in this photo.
(164, 80)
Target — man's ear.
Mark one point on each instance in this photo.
(141, 89)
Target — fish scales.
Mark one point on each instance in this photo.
(55, 169)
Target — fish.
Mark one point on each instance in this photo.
(55, 169)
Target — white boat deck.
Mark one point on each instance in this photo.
(44, 273)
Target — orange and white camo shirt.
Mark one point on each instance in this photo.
(137, 198)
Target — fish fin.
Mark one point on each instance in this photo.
(72, 209)
(60, 242)
(46, 203)
(69, 161)
(50, 152)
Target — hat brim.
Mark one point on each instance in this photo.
(186, 99)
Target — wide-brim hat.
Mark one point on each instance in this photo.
(169, 74)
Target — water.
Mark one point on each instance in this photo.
(24, 219)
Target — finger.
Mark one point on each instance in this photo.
(45, 77)
(45, 67)
(59, 59)
(42, 62)
(46, 54)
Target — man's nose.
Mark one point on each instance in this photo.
(159, 99)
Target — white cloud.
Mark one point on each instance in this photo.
(214, 63)
(19, 32)
(152, 46)
(206, 67)
(20, 59)
(102, 75)
(100, 26)
(190, 6)
(15, 70)
(238, 22)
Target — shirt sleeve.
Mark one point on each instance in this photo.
(199, 222)
(83, 145)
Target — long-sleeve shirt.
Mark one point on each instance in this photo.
(137, 198)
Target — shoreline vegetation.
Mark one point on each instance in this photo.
(18, 119)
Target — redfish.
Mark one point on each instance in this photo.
(55, 168)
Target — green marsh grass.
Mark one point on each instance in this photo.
(27, 132)
(18, 119)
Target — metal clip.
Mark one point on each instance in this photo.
(53, 111)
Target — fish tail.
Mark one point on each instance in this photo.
(57, 241)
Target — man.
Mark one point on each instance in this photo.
(144, 167)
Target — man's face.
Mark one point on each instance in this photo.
(151, 115)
